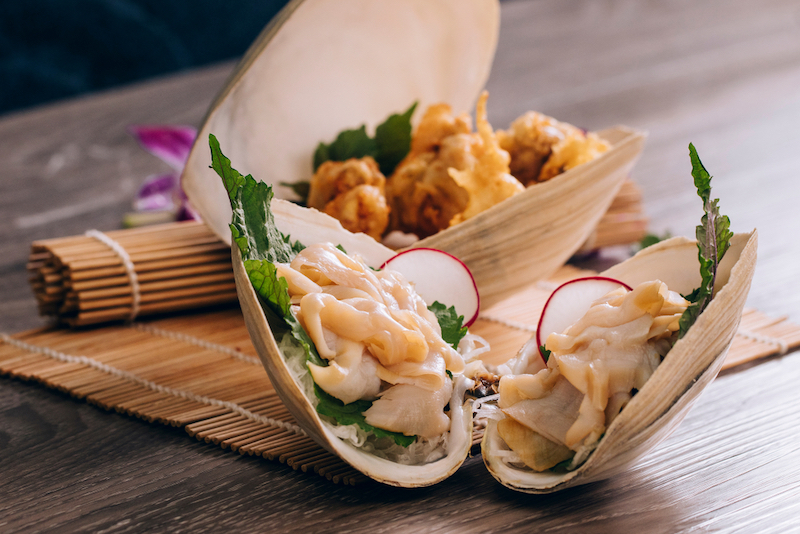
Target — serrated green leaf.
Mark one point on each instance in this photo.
(702, 179)
(724, 234)
(390, 145)
(253, 226)
(449, 322)
(231, 178)
(262, 245)
(264, 277)
(713, 240)
(393, 140)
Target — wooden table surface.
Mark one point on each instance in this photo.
(721, 74)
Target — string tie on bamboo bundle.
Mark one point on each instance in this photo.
(120, 251)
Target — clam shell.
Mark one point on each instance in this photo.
(325, 65)
(321, 66)
(694, 361)
(313, 227)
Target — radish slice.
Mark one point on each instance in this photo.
(569, 302)
(439, 276)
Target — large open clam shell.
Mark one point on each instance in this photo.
(322, 66)
(694, 361)
(314, 227)
(325, 65)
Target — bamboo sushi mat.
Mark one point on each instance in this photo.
(200, 371)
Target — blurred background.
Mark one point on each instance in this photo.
(53, 49)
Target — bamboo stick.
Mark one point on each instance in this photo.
(202, 283)
(169, 263)
(154, 275)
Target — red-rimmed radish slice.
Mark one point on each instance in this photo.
(569, 302)
(439, 276)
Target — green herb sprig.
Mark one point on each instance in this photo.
(450, 323)
(713, 240)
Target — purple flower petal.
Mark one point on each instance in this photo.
(169, 143)
(161, 183)
(156, 202)
(187, 213)
(159, 192)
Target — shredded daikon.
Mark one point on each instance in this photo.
(472, 346)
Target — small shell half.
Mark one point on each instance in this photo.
(325, 65)
(314, 227)
(694, 361)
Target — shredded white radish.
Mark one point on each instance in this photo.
(295, 357)
(353, 434)
(472, 346)
(484, 409)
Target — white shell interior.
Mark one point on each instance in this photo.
(323, 66)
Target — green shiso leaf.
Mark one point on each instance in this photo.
(393, 140)
(353, 414)
(713, 240)
(231, 178)
(651, 239)
(348, 144)
(253, 226)
(390, 145)
(449, 322)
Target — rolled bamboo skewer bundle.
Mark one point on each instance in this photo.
(81, 280)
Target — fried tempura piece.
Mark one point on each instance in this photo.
(352, 191)
(423, 196)
(436, 125)
(336, 177)
(572, 151)
(530, 140)
(362, 209)
(450, 174)
(488, 181)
